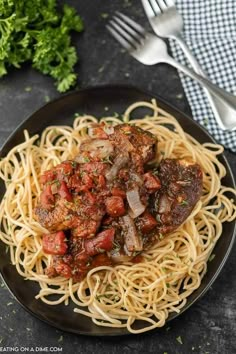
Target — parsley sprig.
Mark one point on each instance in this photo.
(36, 31)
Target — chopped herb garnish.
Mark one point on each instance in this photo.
(68, 217)
(74, 164)
(28, 89)
(107, 160)
(158, 218)
(100, 250)
(104, 15)
(167, 285)
(191, 260)
(46, 98)
(179, 340)
(86, 159)
(60, 340)
(184, 202)
(101, 69)
(161, 236)
(212, 256)
(116, 246)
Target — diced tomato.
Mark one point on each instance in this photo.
(101, 243)
(90, 197)
(101, 181)
(147, 222)
(117, 192)
(65, 168)
(64, 270)
(48, 176)
(47, 198)
(55, 243)
(98, 132)
(115, 206)
(87, 181)
(151, 182)
(74, 182)
(94, 167)
(86, 228)
(63, 191)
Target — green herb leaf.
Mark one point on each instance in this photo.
(212, 256)
(179, 340)
(37, 32)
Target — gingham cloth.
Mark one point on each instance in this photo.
(210, 32)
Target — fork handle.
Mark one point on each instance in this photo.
(216, 106)
(217, 92)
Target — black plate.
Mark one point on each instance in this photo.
(96, 101)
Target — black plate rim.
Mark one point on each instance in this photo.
(173, 108)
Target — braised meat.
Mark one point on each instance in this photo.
(181, 188)
(107, 205)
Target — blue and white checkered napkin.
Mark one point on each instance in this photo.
(210, 32)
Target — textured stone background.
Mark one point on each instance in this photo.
(209, 326)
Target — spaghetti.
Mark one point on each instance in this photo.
(171, 269)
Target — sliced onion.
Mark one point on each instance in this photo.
(136, 206)
(109, 130)
(54, 188)
(136, 178)
(97, 147)
(120, 161)
(133, 240)
(164, 205)
(117, 257)
(80, 159)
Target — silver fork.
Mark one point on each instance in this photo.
(167, 22)
(150, 50)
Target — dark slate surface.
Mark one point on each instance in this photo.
(210, 325)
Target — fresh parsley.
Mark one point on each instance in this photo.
(36, 31)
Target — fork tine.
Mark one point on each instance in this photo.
(148, 8)
(156, 8)
(120, 26)
(118, 37)
(162, 4)
(127, 32)
(170, 3)
(132, 23)
(131, 35)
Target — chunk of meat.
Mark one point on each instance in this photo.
(101, 243)
(151, 182)
(146, 222)
(181, 188)
(115, 206)
(140, 143)
(46, 198)
(55, 243)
